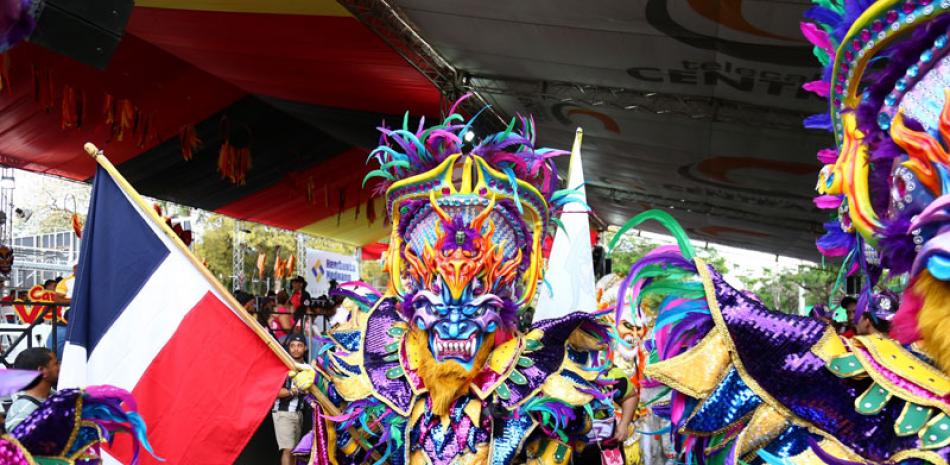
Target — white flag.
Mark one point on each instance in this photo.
(570, 267)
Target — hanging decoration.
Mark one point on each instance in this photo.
(234, 158)
(128, 119)
(72, 107)
(108, 115)
(189, 141)
(261, 259)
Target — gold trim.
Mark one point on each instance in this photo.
(720, 325)
(928, 378)
(929, 456)
(16, 443)
(892, 388)
(502, 377)
(829, 346)
(930, 424)
(880, 406)
(901, 418)
(711, 353)
(84, 449)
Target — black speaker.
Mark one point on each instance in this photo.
(600, 262)
(88, 31)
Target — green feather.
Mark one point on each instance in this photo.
(667, 221)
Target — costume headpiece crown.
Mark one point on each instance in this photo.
(492, 201)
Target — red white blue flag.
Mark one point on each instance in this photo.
(146, 318)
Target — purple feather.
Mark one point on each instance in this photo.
(818, 121)
(828, 156)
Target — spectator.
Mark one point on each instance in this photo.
(298, 292)
(60, 337)
(45, 363)
(280, 321)
(246, 300)
(849, 304)
(289, 405)
(64, 289)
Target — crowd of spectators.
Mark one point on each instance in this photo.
(296, 320)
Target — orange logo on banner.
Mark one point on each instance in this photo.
(29, 314)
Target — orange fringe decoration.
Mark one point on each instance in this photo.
(261, 258)
(278, 267)
(108, 114)
(128, 119)
(233, 163)
(72, 107)
(234, 160)
(77, 225)
(189, 141)
(290, 265)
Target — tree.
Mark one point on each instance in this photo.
(632, 248)
(216, 246)
(778, 289)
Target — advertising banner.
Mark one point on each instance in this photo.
(322, 267)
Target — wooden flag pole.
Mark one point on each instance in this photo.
(236, 307)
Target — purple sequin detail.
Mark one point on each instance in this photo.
(775, 350)
(375, 344)
(46, 430)
(445, 445)
(548, 358)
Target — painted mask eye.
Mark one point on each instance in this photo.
(472, 311)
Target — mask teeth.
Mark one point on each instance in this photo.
(456, 348)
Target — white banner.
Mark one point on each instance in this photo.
(322, 267)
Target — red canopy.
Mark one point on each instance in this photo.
(300, 84)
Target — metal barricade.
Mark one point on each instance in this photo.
(13, 336)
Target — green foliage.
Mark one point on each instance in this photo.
(215, 247)
(778, 289)
(216, 242)
(630, 249)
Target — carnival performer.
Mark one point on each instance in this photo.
(758, 386)
(70, 425)
(434, 370)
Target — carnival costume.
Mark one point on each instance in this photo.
(434, 369)
(70, 425)
(759, 386)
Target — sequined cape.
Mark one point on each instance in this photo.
(69, 426)
(760, 385)
(533, 386)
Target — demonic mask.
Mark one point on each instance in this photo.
(6, 259)
(465, 251)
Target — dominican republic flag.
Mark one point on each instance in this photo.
(147, 319)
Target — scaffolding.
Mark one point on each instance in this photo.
(43, 256)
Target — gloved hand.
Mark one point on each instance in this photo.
(303, 377)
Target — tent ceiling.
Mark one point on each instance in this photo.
(691, 106)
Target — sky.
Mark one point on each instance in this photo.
(36, 191)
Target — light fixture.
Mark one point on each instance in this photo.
(469, 136)
(23, 214)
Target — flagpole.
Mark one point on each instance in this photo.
(236, 307)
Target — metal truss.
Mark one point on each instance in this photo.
(391, 24)
(629, 100)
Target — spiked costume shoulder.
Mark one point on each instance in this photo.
(758, 386)
(434, 370)
(69, 427)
